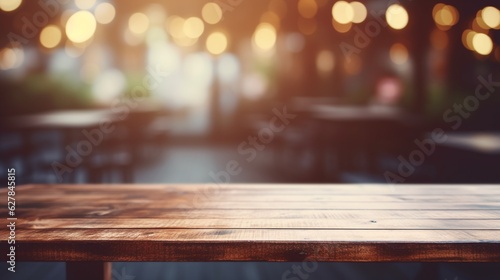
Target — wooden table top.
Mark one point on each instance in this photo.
(258, 222)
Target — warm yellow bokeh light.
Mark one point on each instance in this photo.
(9, 5)
(360, 12)
(193, 27)
(342, 28)
(342, 12)
(307, 8)
(185, 41)
(81, 26)
(104, 13)
(211, 13)
(467, 36)
(482, 43)
(398, 54)
(216, 43)
(50, 36)
(325, 61)
(445, 16)
(491, 17)
(10, 58)
(175, 26)
(265, 36)
(85, 4)
(478, 23)
(396, 16)
(138, 23)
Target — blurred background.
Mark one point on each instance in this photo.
(320, 91)
(294, 91)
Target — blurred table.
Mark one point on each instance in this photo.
(109, 129)
(479, 142)
(357, 131)
(469, 157)
(88, 225)
(72, 119)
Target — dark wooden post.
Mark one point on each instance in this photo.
(88, 270)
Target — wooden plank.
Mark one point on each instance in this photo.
(259, 245)
(268, 235)
(167, 205)
(251, 223)
(139, 212)
(257, 222)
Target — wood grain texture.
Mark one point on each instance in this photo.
(264, 222)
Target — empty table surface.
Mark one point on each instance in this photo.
(256, 222)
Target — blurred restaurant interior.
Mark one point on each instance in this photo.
(172, 91)
(239, 91)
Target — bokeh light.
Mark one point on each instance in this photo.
(108, 86)
(396, 16)
(491, 17)
(265, 36)
(193, 27)
(85, 4)
(445, 16)
(342, 12)
(398, 54)
(228, 68)
(360, 12)
(81, 26)
(482, 44)
(185, 41)
(211, 13)
(175, 26)
(138, 23)
(467, 36)
(307, 8)
(198, 70)
(325, 61)
(104, 13)
(11, 58)
(254, 86)
(478, 23)
(156, 14)
(389, 91)
(9, 5)
(216, 43)
(341, 28)
(50, 36)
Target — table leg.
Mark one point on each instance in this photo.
(88, 270)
